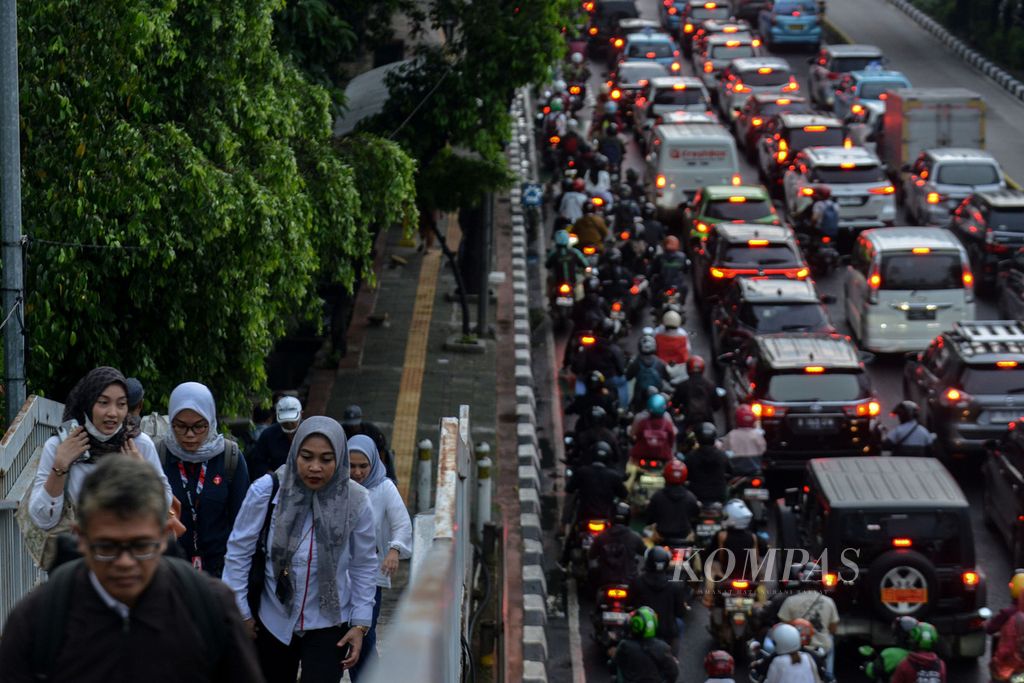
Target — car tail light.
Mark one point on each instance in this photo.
(902, 543)
(617, 306)
(676, 66)
(710, 5)
(971, 579)
(830, 580)
(740, 584)
(737, 200)
(857, 108)
(619, 42)
(869, 409)
(624, 235)
(702, 227)
(564, 288)
(717, 273)
(921, 250)
(954, 397)
(801, 273)
(616, 94)
(688, 28)
(679, 86)
(740, 87)
(592, 31)
(764, 410)
(650, 55)
(660, 181)
(596, 526)
(848, 165)
(1006, 363)
(756, 122)
(587, 340)
(756, 42)
(589, 250)
(783, 152)
(757, 243)
(885, 189)
(708, 67)
(814, 369)
(792, 86)
(756, 483)
(736, 179)
(934, 198)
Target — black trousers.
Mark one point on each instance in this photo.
(316, 650)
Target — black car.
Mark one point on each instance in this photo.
(1010, 287)
(1004, 489)
(695, 12)
(991, 227)
(969, 383)
(604, 23)
(734, 249)
(810, 392)
(894, 538)
(762, 306)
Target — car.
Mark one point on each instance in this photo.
(861, 95)
(714, 27)
(1003, 474)
(652, 46)
(662, 96)
(752, 76)
(991, 227)
(669, 12)
(629, 80)
(749, 122)
(717, 52)
(831, 62)
(940, 179)
(1010, 287)
(752, 306)
(969, 383)
(716, 204)
(790, 22)
(748, 10)
(810, 392)
(604, 23)
(693, 13)
(735, 249)
(905, 285)
(786, 135)
(896, 536)
(625, 27)
(858, 183)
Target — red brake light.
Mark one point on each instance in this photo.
(634, 290)
(587, 340)
(756, 483)
(617, 306)
(740, 584)
(920, 250)
(953, 394)
(596, 526)
(875, 281)
(589, 250)
(737, 200)
(934, 198)
(616, 94)
(814, 369)
(624, 235)
(717, 273)
(885, 189)
(702, 227)
(1006, 363)
(592, 31)
(756, 122)
(815, 129)
(619, 42)
(761, 410)
(679, 86)
(617, 593)
(757, 243)
(902, 543)
(564, 288)
(830, 580)
(650, 55)
(968, 278)
(971, 578)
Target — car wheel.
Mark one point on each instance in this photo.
(899, 579)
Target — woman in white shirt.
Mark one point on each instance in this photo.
(393, 527)
(317, 600)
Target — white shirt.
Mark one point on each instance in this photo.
(783, 670)
(109, 600)
(816, 608)
(393, 526)
(571, 207)
(44, 509)
(355, 579)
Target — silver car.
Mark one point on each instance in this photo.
(941, 178)
(856, 178)
(746, 77)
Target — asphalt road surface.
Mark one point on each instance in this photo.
(927, 63)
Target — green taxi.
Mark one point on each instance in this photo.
(715, 204)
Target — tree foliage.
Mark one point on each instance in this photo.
(994, 28)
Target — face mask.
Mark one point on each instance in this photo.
(97, 434)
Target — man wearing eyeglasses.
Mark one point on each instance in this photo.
(124, 612)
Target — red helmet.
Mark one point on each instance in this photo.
(695, 365)
(822, 191)
(671, 243)
(578, 185)
(806, 629)
(744, 416)
(675, 472)
(719, 663)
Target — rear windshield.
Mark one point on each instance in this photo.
(767, 79)
(859, 174)
(750, 210)
(827, 386)
(845, 64)
(789, 6)
(809, 317)
(934, 533)
(633, 73)
(699, 14)
(922, 271)
(989, 380)
(871, 90)
(726, 52)
(618, 9)
(801, 139)
(772, 256)
(679, 97)
(1006, 220)
(967, 174)
(649, 50)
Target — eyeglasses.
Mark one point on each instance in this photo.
(199, 428)
(109, 551)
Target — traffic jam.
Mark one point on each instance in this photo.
(787, 287)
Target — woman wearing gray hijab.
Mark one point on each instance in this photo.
(321, 569)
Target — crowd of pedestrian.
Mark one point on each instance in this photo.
(260, 564)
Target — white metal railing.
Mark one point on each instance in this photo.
(19, 458)
(424, 642)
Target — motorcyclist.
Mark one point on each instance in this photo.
(570, 208)
(745, 441)
(647, 370)
(910, 437)
(565, 263)
(667, 598)
(597, 486)
(572, 144)
(598, 179)
(595, 428)
(671, 340)
(596, 394)
(819, 609)
(654, 230)
(643, 657)
(556, 122)
(588, 315)
(633, 180)
(738, 541)
(1008, 651)
(719, 666)
(576, 70)
(806, 630)
(1016, 586)
(591, 229)
(605, 356)
(696, 395)
(653, 433)
(615, 278)
(922, 664)
(616, 553)
(669, 270)
(708, 466)
(790, 664)
(825, 213)
(674, 508)
(883, 665)
(627, 210)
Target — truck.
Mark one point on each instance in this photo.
(917, 119)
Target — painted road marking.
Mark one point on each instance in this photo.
(575, 641)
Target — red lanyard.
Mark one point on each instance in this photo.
(193, 508)
(309, 565)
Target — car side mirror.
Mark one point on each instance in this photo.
(828, 299)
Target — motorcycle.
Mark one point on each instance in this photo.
(822, 256)
(644, 478)
(730, 616)
(585, 533)
(611, 615)
(709, 523)
(577, 96)
(561, 300)
(751, 489)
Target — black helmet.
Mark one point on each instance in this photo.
(614, 255)
(591, 285)
(906, 411)
(656, 559)
(625, 191)
(588, 206)
(706, 434)
(632, 177)
(607, 327)
(621, 514)
(599, 414)
(649, 209)
(601, 452)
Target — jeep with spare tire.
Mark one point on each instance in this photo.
(893, 538)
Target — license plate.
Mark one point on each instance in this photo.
(652, 481)
(756, 494)
(920, 314)
(816, 424)
(849, 201)
(796, 27)
(615, 617)
(565, 301)
(705, 530)
(914, 596)
(618, 315)
(733, 603)
(1000, 416)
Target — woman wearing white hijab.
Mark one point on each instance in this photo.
(206, 475)
(392, 525)
(317, 600)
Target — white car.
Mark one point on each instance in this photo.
(719, 50)
(941, 178)
(856, 178)
(746, 77)
(665, 95)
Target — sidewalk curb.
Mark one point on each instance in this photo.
(535, 646)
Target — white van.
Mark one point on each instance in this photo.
(686, 156)
(904, 286)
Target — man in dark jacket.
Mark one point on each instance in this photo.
(128, 614)
(673, 509)
(643, 657)
(708, 466)
(615, 554)
(596, 487)
(271, 449)
(667, 598)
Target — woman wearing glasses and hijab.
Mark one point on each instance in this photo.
(207, 474)
(319, 578)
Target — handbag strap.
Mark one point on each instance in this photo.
(265, 530)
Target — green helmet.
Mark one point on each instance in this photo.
(643, 623)
(556, 104)
(924, 637)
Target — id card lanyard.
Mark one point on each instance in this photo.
(193, 508)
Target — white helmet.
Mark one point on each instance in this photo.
(736, 515)
(786, 638)
(577, 58)
(647, 344)
(559, 86)
(671, 320)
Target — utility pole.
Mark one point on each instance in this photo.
(10, 210)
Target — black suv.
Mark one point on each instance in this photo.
(811, 393)
(763, 306)
(893, 536)
(969, 383)
(1004, 489)
(991, 227)
(604, 23)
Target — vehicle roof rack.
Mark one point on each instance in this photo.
(980, 331)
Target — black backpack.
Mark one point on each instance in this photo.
(202, 603)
